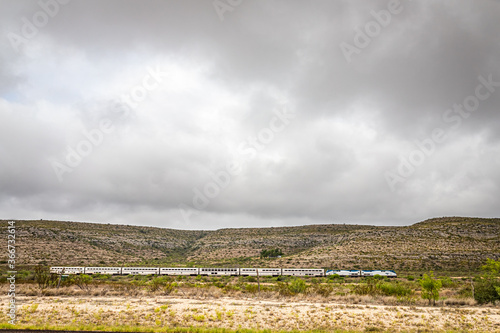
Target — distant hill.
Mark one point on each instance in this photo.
(440, 244)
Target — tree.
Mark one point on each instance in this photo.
(44, 278)
(487, 288)
(83, 281)
(430, 288)
(492, 267)
(272, 253)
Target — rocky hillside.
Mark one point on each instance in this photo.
(441, 244)
(75, 243)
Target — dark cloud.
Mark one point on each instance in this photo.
(160, 113)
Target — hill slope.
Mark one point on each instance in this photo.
(452, 244)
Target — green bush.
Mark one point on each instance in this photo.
(465, 291)
(169, 287)
(298, 286)
(333, 277)
(447, 282)
(366, 288)
(273, 253)
(485, 291)
(83, 281)
(251, 288)
(394, 289)
(156, 284)
(322, 289)
(283, 289)
(336, 278)
(374, 287)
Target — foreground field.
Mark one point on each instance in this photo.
(161, 312)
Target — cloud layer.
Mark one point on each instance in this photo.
(201, 115)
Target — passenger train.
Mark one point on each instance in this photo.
(193, 271)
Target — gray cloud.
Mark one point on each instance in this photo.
(192, 104)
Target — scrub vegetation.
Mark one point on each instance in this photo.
(454, 246)
(448, 278)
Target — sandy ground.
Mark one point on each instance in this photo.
(248, 313)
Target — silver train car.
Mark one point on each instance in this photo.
(361, 273)
(140, 271)
(103, 270)
(260, 271)
(67, 270)
(179, 271)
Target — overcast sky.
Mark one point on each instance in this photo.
(239, 113)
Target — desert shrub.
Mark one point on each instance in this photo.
(272, 253)
(283, 289)
(251, 279)
(220, 284)
(251, 288)
(103, 277)
(394, 289)
(447, 282)
(485, 291)
(298, 286)
(336, 278)
(366, 288)
(333, 277)
(83, 281)
(201, 278)
(410, 278)
(373, 287)
(322, 289)
(465, 291)
(24, 275)
(169, 287)
(155, 284)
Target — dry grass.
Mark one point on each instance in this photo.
(219, 311)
